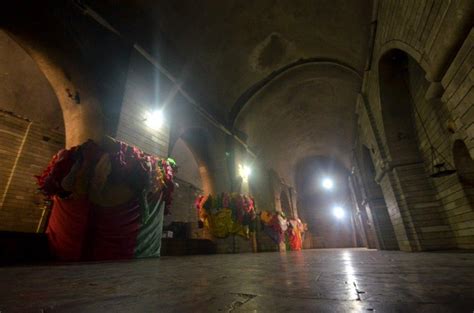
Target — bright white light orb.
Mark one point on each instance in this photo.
(245, 171)
(338, 212)
(154, 120)
(327, 183)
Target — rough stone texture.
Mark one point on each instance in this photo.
(25, 149)
(183, 208)
(458, 83)
(341, 280)
(431, 33)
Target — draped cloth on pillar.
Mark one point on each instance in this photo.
(227, 214)
(106, 205)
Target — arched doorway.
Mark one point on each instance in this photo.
(189, 181)
(191, 154)
(31, 132)
(417, 214)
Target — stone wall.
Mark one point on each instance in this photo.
(183, 208)
(25, 149)
(31, 132)
(425, 213)
(143, 95)
(458, 84)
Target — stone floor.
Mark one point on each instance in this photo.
(339, 280)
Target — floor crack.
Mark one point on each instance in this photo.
(358, 292)
(238, 303)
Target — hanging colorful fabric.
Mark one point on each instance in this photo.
(237, 217)
(107, 200)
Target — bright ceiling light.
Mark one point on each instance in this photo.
(338, 212)
(327, 183)
(154, 120)
(245, 172)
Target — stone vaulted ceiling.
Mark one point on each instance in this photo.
(222, 49)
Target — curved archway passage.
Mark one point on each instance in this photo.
(465, 169)
(193, 178)
(197, 141)
(190, 185)
(189, 168)
(417, 214)
(318, 206)
(31, 132)
(307, 110)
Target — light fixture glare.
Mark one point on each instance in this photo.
(154, 120)
(338, 212)
(245, 171)
(327, 183)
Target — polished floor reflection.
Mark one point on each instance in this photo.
(339, 280)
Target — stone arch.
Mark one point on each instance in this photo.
(25, 90)
(416, 210)
(254, 90)
(305, 95)
(188, 167)
(32, 129)
(73, 52)
(81, 111)
(195, 142)
(412, 52)
(193, 179)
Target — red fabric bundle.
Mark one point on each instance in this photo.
(67, 228)
(80, 230)
(113, 232)
(57, 169)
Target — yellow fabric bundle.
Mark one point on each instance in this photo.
(221, 225)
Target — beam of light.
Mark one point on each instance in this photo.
(154, 119)
(327, 183)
